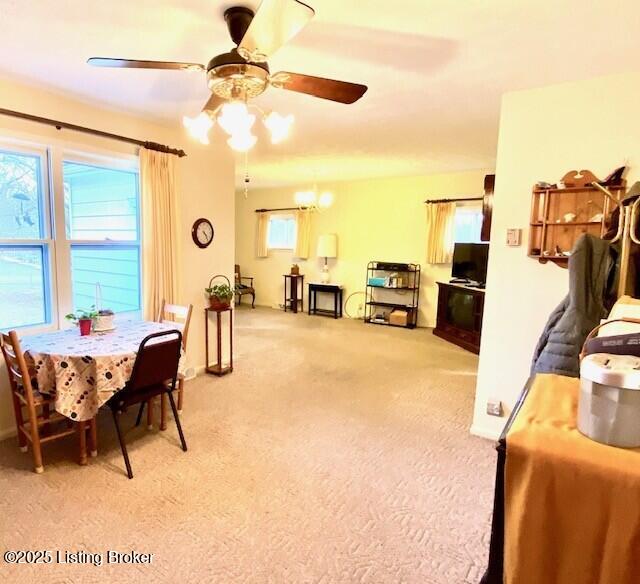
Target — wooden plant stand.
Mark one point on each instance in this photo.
(218, 369)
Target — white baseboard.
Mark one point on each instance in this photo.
(488, 433)
(7, 433)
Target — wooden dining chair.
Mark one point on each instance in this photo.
(37, 426)
(180, 316)
(242, 289)
(156, 362)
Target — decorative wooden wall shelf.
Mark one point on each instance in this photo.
(561, 213)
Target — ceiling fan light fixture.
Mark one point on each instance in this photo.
(199, 126)
(242, 141)
(235, 119)
(279, 126)
(241, 74)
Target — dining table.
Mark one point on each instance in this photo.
(84, 372)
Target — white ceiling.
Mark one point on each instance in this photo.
(435, 69)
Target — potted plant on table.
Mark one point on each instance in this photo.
(84, 319)
(220, 296)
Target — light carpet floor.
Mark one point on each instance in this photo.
(336, 452)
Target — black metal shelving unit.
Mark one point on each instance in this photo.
(383, 298)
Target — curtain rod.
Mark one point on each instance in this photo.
(73, 127)
(282, 209)
(454, 200)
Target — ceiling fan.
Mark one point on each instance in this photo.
(243, 73)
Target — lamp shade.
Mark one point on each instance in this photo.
(328, 246)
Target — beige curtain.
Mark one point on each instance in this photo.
(303, 234)
(261, 235)
(160, 237)
(440, 227)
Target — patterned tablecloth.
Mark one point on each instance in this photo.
(84, 372)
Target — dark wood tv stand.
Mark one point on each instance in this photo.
(459, 318)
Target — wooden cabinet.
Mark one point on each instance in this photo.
(459, 319)
(487, 206)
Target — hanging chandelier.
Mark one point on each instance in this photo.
(312, 200)
(237, 121)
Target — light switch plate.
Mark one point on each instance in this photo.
(494, 407)
(514, 237)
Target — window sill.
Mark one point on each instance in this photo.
(33, 329)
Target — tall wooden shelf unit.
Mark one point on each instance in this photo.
(559, 216)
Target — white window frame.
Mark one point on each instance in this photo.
(475, 206)
(120, 163)
(58, 260)
(282, 216)
(46, 241)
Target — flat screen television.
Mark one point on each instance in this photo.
(470, 262)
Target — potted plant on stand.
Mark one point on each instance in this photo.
(220, 295)
(84, 319)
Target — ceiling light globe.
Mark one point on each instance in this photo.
(242, 142)
(325, 200)
(279, 126)
(235, 118)
(199, 127)
(305, 198)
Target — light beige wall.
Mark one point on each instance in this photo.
(544, 133)
(381, 219)
(205, 186)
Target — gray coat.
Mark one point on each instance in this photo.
(559, 346)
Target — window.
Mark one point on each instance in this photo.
(468, 224)
(282, 232)
(102, 223)
(24, 245)
(51, 261)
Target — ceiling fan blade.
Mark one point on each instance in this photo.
(213, 103)
(137, 64)
(275, 23)
(340, 91)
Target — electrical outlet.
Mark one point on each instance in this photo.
(494, 407)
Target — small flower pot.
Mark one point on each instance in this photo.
(295, 271)
(217, 304)
(85, 326)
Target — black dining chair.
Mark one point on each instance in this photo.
(155, 373)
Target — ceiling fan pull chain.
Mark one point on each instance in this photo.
(247, 180)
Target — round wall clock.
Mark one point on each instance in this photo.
(202, 233)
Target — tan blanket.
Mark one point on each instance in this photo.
(572, 505)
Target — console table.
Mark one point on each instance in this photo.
(566, 508)
(292, 300)
(335, 290)
(459, 318)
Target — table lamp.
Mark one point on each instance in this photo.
(327, 248)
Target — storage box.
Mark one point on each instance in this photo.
(377, 281)
(399, 317)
